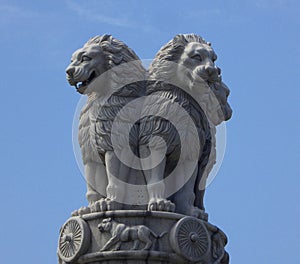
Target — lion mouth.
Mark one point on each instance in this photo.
(81, 86)
(227, 112)
(210, 78)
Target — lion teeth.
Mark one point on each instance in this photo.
(81, 84)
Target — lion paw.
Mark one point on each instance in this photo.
(198, 213)
(106, 204)
(113, 205)
(100, 205)
(156, 204)
(81, 211)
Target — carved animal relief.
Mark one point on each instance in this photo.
(121, 233)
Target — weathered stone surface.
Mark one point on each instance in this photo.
(148, 144)
(135, 236)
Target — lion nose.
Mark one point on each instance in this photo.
(210, 70)
(227, 91)
(70, 71)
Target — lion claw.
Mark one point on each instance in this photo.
(198, 213)
(161, 205)
(106, 204)
(101, 205)
(81, 211)
(113, 205)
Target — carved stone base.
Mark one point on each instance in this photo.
(135, 236)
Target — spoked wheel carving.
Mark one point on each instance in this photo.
(74, 239)
(189, 238)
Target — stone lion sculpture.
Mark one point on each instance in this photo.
(183, 73)
(185, 100)
(95, 71)
(147, 140)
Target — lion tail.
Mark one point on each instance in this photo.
(158, 236)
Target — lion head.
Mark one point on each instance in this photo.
(98, 55)
(105, 225)
(190, 60)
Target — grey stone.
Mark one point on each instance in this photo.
(100, 54)
(186, 65)
(148, 145)
(175, 239)
(122, 233)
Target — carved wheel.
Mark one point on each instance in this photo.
(74, 239)
(190, 239)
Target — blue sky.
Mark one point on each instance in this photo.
(254, 198)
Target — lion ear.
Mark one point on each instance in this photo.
(179, 38)
(117, 59)
(105, 37)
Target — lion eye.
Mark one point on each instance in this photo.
(197, 57)
(85, 58)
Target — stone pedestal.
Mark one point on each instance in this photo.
(137, 236)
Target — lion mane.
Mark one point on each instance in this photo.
(97, 116)
(163, 65)
(202, 110)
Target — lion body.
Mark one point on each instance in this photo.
(158, 126)
(103, 70)
(95, 126)
(183, 73)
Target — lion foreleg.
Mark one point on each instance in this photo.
(101, 180)
(112, 169)
(114, 240)
(154, 178)
(90, 169)
(184, 198)
(118, 246)
(114, 191)
(155, 181)
(124, 173)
